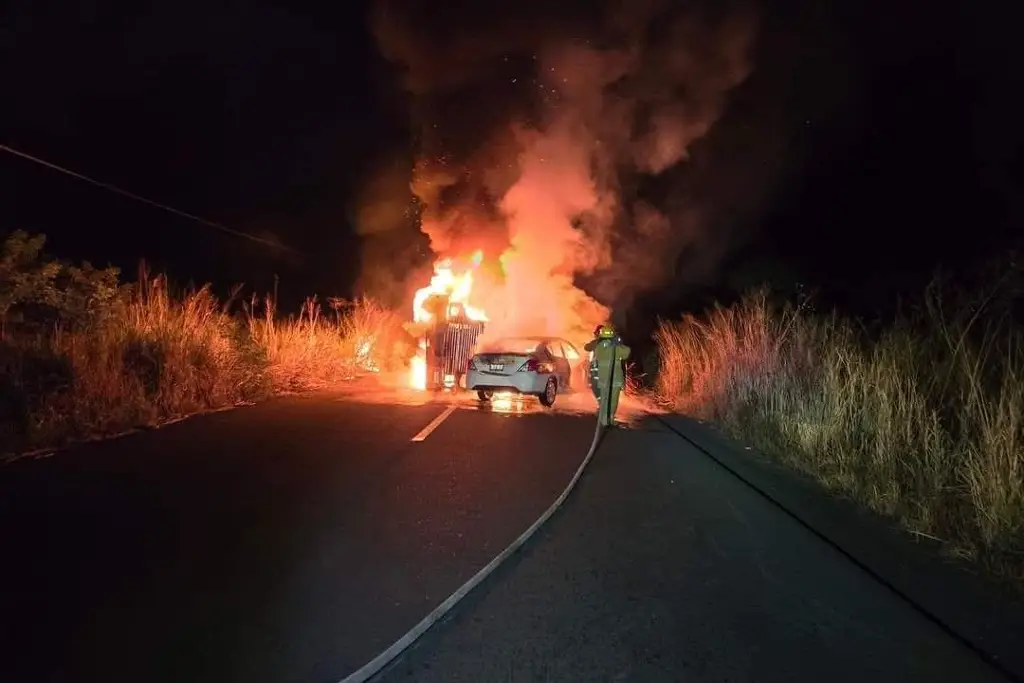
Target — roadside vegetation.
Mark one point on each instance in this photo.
(922, 420)
(84, 354)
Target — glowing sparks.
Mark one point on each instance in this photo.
(365, 356)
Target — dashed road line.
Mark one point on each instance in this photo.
(435, 423)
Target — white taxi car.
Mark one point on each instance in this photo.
(538, 366)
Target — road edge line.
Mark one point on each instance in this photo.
(375, 665)
(983, 654)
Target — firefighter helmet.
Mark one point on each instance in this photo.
(606, 332)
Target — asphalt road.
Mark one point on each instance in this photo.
(662, 567)
(294, 540)
(290, 541)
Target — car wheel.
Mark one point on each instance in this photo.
(485, 394)
(550, 393)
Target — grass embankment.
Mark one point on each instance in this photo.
(923, 422)
(83, 355)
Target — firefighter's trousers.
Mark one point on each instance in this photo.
(608, 404)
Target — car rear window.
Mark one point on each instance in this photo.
(512, 346)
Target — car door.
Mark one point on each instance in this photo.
(562, 369)
(577, 374)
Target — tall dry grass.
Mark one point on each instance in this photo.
(152, 354)
(314, 349)
(923, 422)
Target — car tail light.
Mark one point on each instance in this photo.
(535, 364)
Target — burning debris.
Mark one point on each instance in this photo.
(472, 299)
(446, 325)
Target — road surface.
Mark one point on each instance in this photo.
(662, 567)
(290, 541)
(293, 540)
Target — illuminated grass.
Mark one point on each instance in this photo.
(924, 422)
(313, 350)
(97, 357)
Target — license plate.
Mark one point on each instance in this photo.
(496, 367)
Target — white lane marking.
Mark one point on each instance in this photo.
(435, 423)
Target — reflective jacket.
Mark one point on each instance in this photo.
(608, 353)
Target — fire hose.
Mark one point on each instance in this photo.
(375, 665)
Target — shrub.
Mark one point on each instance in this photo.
(82, 354)
(923, 421)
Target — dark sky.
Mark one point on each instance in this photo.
(891, 131)
(246, 113)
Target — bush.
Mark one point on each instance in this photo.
(82, 354)
(923, 421)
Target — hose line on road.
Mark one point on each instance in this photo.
(374, 666)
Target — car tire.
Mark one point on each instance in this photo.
(550, 393)
(485, 394)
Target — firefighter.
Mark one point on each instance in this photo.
(610, 355)
(594, 384)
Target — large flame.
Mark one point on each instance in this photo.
(455, 288)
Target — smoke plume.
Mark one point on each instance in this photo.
(549, 138)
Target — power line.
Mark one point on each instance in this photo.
(113, 188)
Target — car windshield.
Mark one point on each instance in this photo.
(512, 345)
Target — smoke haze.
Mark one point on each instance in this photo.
(541, 130)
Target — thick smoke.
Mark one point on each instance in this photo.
(541, 131)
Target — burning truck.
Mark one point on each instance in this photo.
(447, 344)
(447, 329)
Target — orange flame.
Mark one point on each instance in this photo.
(446, 282)
(456, 288)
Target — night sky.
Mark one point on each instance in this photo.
(870, 142)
